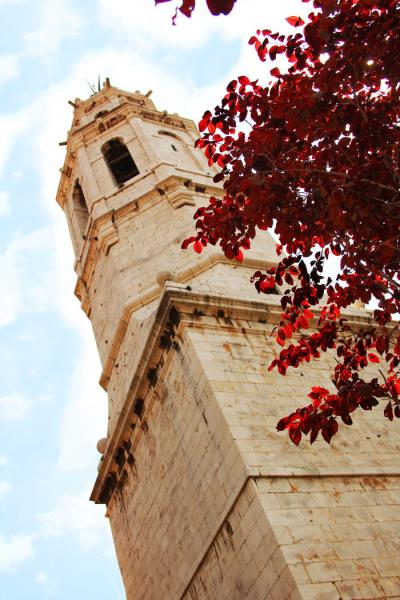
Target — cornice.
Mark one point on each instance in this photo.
(116, 114)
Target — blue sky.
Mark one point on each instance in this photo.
(54, 543)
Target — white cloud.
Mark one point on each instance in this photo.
(8, 67)
(25, 290)
(25, 337)
(4, 204)
(10, 298)
(41, 578)
(58, 21)
(13, 407)
(14, 551)
(5, 487)
(78, 517)
(85, 416)
(147, 23)
(11, 126)
(74, 516)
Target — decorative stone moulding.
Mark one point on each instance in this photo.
(81, 293)
(107, 236)
(180, 196)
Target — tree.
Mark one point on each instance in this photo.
(315, 154)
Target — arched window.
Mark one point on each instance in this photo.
(80, 207)
(119, 160)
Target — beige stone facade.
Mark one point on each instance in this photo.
(205, 499)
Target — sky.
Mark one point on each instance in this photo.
(54, 543)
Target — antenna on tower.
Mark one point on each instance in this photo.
(92, 88)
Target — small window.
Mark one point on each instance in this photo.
(174, 148)
(80, 208)
(120, 161)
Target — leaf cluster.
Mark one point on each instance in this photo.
(315, 154)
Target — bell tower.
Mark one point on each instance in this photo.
(205, 499)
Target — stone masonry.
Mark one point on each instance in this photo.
(206, 500)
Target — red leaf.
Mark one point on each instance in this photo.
(220, 7)
(326, 434)
(295, 435)
(272, 52)
(211, 127)
(187, 7)
(346, 418)
(203, 124)
(283, 423)
(317, 394)
(272, 365)
(373, 358)
(388, 412)
(198, 247)
(289, 279)
(275, 72)
(288, 330)
(186, 242)
(239, 256)
(295, 21)
(218, 177)
(380, 345)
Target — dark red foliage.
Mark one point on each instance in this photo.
(220, 7)
(216, 7)
(319, 160)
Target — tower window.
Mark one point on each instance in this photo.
(80, 208)
(174, 148)
(119, 160)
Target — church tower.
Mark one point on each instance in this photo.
(205, 499)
